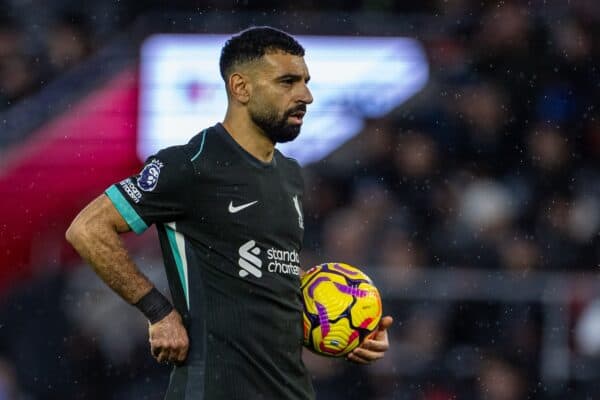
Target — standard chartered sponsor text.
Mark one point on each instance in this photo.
(283, 261)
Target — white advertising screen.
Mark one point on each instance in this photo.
(352, 78)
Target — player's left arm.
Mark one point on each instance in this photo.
(373, 349)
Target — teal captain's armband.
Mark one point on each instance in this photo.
(135, 222)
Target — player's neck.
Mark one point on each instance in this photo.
(249, 137)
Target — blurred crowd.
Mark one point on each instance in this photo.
(28, 62)
(494, 166)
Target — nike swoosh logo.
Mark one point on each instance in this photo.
(233, 209)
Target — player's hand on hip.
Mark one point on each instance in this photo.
(373, 349)
(169, 340)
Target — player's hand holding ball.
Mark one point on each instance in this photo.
(169, 340)
(342, 314)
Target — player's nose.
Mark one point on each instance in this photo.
(306, 96)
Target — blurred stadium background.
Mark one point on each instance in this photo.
(474, 201)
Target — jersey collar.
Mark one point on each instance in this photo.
(249, 157)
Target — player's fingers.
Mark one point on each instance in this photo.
(165, 353)
(155, 350)
(163, 356)
(174, 356)
(386, 322)
(181, 350)
(375, 345)
(161, 351)
(357, 359)
(367, 354)
(177, 353)
(185, 350)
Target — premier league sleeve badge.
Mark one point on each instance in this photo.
(148, 178)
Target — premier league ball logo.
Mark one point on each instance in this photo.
(148, 178)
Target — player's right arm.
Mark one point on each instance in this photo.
(94, 234)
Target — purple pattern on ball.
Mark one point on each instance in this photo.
(313, 286)
(344, 270)
(353, 291)
(323, 319)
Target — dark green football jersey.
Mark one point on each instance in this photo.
(230, 228)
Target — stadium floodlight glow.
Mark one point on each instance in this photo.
(352, 78)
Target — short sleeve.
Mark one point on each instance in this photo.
(158, 193)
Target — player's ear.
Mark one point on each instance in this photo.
(239, 87)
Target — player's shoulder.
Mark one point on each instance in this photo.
(188, 153)
(178, 154)
(287, 162)
(290, 167)
(207, 149)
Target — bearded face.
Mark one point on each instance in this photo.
(278, 95)
(278, 126)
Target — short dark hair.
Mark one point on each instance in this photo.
(253, 43)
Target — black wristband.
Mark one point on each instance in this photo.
(154, 305)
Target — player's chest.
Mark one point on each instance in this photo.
(265, 206)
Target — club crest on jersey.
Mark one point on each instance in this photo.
(148, 178)
(299, 211)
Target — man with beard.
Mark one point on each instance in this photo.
(227, 207)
